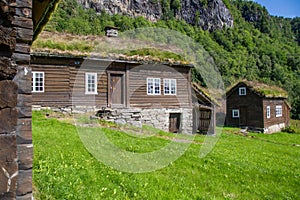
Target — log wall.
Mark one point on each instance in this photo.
(65, 83)
(250, 107)
(138, 87)
(273, 120)
(16, 31)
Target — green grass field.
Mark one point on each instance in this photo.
(256, 166)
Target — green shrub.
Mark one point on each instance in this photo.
(291, 129)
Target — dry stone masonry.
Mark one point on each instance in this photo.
(158, 118)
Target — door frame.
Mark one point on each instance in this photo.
(124, 88)
(179, 121)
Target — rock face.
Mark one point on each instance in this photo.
(211, 15)
(214, 15)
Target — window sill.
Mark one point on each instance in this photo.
(91, 93)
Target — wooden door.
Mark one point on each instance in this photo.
(174, 122)
(116, 89)
(205, 120)
(243, 116)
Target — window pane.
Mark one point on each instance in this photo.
(169, 86)
(242, 91)
(173, 86)
(153, 86)
(37, 84)
(235, 113)
(278, 111)
(157, 86)
(268, 112)
(150, 86)
(91, 83)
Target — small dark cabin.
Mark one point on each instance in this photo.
(257, 106)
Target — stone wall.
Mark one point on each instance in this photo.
(16, 31)
(156, 117)
(274, 128)
(159, 118)
(122, 116)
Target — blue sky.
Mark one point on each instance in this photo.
(285, 8)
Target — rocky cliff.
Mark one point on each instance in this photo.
(208, 14)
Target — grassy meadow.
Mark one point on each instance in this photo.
(255, 166)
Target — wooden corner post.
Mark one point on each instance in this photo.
(16, 149)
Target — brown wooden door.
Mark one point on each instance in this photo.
(116, 89)
(204, 119)
(243, 116)
(174, 122)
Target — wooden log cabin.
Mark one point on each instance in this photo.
(257, 106)
(160, 94)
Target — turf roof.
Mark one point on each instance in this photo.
(262, 89)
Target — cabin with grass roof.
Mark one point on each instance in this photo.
(257, 106)
(128, 91)
(132, 92)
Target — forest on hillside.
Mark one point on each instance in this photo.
(259, 47)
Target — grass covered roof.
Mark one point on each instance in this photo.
(106, 47)
(262, 89)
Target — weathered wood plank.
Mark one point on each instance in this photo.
(25, 154)
(21, 58)
(24, 135)
(9, 165)
(22, 48)
(8, 38)
(8, 115)
(24, 3)
(8, 94)
(24, 105)
(23, 22)
(24, 35)
(24, 12)
(24, 182)
(23, 79)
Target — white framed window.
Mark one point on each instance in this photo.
(268, 112)
(278, 111)
(90, 83)
(235, 113)
(38, 82)
(153, 86)
(170, 86)
(242, 91)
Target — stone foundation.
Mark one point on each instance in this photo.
(274, 128)
(158, 118)
(122, 116)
